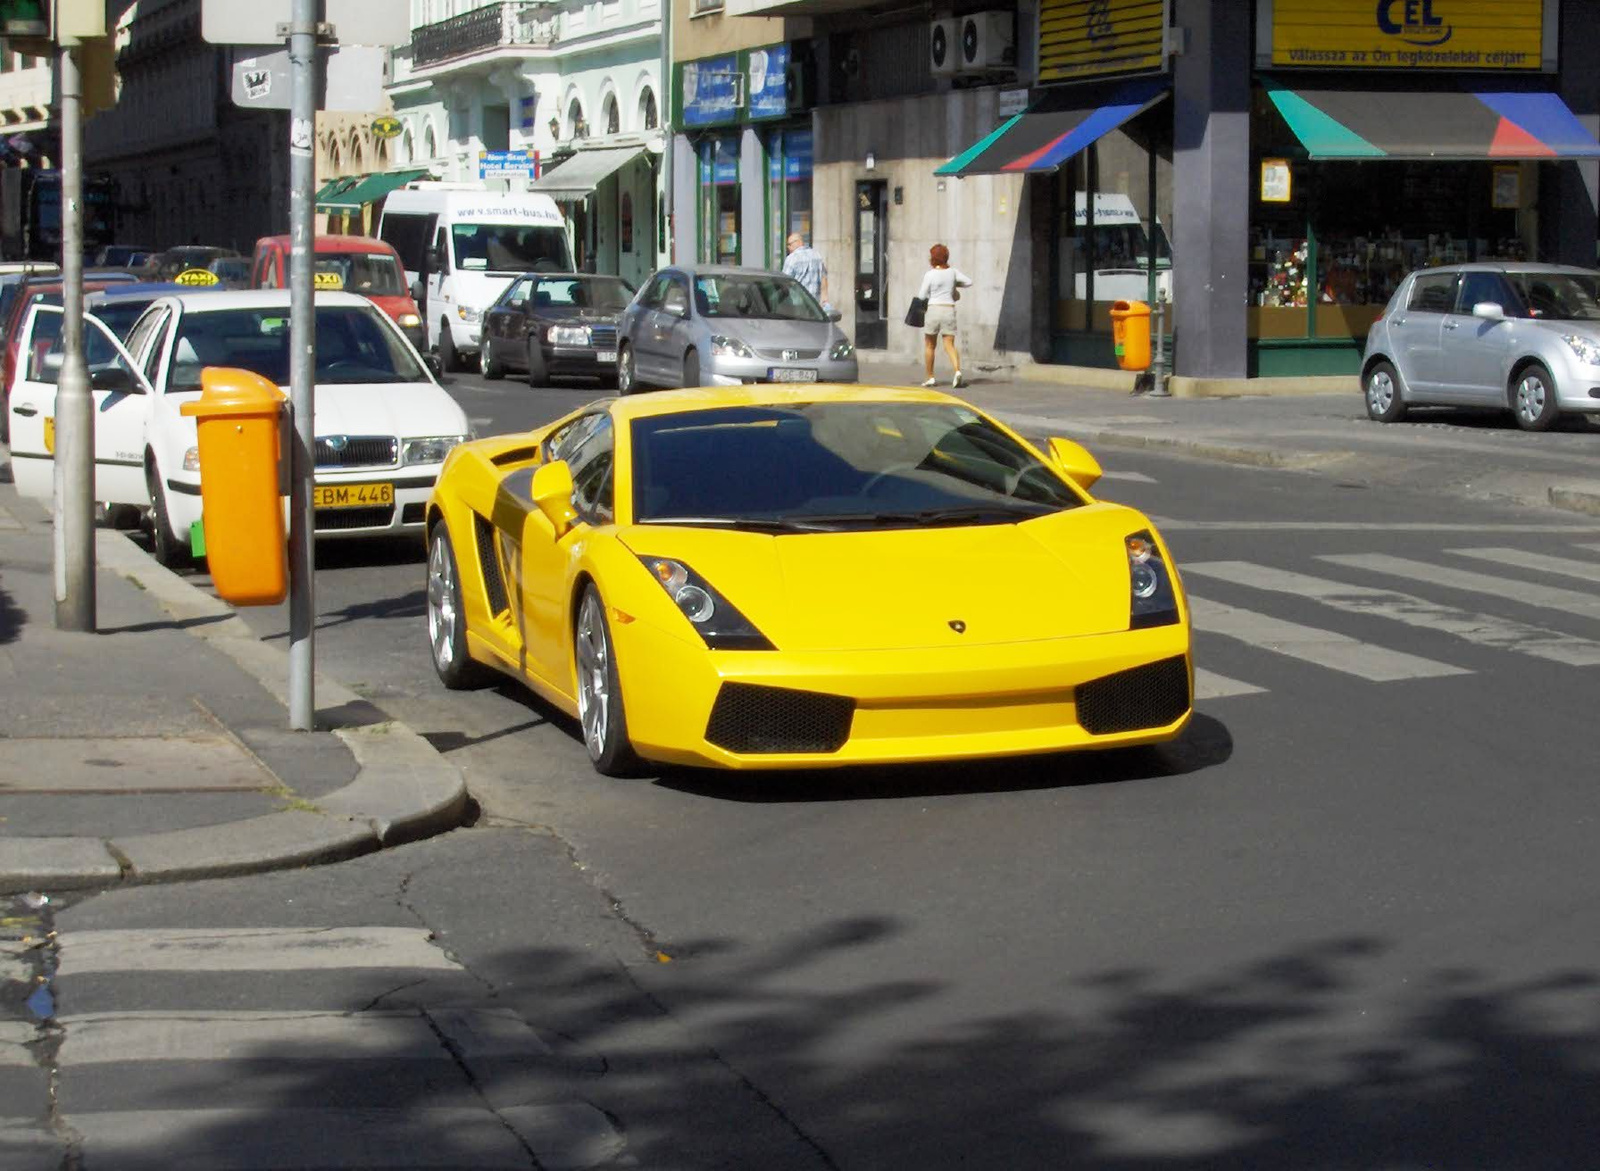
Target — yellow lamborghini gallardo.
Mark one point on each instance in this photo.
(795, 576)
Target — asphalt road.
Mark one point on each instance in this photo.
(1342, 923)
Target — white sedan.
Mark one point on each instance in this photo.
(383, 425)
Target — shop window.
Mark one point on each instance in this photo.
(719, 199)
(789, 156)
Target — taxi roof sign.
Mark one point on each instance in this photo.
(196, 277)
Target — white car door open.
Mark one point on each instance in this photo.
(121, 397)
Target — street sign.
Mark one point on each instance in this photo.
(508, 164)
(352, 81)
(387, 126)
(24, 18)
(355, 22)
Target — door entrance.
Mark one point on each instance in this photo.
(872, 212)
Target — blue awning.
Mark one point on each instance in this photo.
(1055, 128)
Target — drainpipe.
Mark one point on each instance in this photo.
(669, 147)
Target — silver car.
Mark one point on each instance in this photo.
(1522, 337)
(725, 326)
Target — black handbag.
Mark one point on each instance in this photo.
(918, 313)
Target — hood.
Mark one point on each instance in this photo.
(407, 410)
(771, 334)
(394, 305)
(1055, 577)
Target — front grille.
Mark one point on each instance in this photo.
(494, 588)
(357, 451)
(1151, 696)
(791, 355)
(750, 718)
(604, 337)
(337, 519)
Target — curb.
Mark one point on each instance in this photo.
(1232, 453)
(1576, 497)
(403, 789)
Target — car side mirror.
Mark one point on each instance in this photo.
(1489, 311)
(677, 306)
(114, 378)
(552, 492)
(1074, 460)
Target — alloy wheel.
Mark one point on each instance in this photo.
(442, 613)
(594, 691)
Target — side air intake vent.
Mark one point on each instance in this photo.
(1151, 696)
(494, 586)
(749, 718)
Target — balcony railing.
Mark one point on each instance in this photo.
(510, 25)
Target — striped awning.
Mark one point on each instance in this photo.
(1435, 124)
(352, 193)
(1055, 128)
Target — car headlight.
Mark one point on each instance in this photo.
(1587, 349)
(468, 314)
(567, 335)
(729, 347)
(842, 350)
(714, 618)
(410, 321)
(191, 460)
(430, 450)
(1153, 601)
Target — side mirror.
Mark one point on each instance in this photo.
(438, 261)
(114, 378)
(1074, 460)
(834, 315)
(416, 290)
(552, 492)
(1489, 311)
(677, 305)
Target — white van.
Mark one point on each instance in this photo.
(462, 247)
(1121, 252)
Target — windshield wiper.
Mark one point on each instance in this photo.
(754, 524)
(932, 517)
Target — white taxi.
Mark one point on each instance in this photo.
(383, 425)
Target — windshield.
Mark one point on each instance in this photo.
(1558, 296)
(817, 467)
(353, 345)
(372, 274)
(755, 295)
(606, 294)
(510, 248)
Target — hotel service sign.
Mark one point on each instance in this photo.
(1493, 35)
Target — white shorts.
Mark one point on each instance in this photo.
(939, 319)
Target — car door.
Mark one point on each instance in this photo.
(1475, 351)
(1416, 330)
(548, 561)
(441, 299)
(666, 323)
(121, 397)
(508, 323)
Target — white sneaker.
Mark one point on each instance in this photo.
(957, 381)
(931, 382)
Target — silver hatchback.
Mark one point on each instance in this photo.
(725, 326)
(1521, 337)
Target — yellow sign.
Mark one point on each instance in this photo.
(1275, 181)
(327, 279)
(50, 434)
(351, 495)
(1087, 38)
(1405, 34)
(195, 276)
(386, 126)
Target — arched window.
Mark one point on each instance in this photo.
(408, 147)
(649, 116)
(576, 126)
(431, 144)
(612, 115)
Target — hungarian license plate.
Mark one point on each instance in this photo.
(351, 495)
(792, 374)
(605, 355)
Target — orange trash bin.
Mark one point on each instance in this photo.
(238, 416)
(1130, 334)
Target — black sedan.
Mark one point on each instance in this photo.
(556, 325)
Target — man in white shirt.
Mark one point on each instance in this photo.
(804, 264)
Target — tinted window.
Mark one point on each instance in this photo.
(838, 465)
(516, 294)
(1559, 296)
(407, 235)
(745, 295)
(44, 359)
(121, 314)
(1433, 292)
(1477, 287)
(587, 448)
(655, 292)
(509, 248)
(603, 293)
(372, 274)
(353, 345)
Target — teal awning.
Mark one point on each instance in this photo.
(364, 189)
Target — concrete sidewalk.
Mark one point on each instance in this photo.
(158, 748)
(1480, 454)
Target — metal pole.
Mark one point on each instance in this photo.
(74, 462)
(667, 151)
(302, 366)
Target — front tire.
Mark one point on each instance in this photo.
(627, 372)
(1533, 399)
(169, 550)
(537, 376)
(691, 368)
(447, 620)
(492, 369)
(1384, 402)
(604, 723)
(449, 356)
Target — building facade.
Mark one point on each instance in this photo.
(28, 133)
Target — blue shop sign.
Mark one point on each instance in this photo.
(790, 159)
(709, 90)
(767, 79)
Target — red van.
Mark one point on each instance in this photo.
(357, 264)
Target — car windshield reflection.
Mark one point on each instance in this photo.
(1558, 296)
(353, 346)
(746, 295)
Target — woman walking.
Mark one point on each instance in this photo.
(939, 285)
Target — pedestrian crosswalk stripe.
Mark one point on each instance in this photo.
(1535, 562)
(1210, 685)
(253, 949)
(1337, 652)
(1134, 477)
(1481, 629)
(1585, 605)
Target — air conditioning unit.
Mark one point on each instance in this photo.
(944, 47)
(988, 42)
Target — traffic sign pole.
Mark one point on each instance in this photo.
(302, 367)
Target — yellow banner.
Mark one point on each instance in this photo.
(1408, 34)
(1090, 38)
